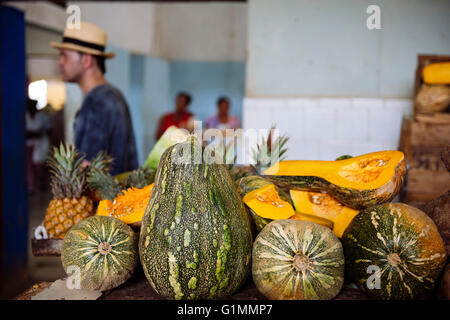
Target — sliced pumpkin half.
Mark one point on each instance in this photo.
(358, 182)
(324, 206)
(129, 206)
(267, 203)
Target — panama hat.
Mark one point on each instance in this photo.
(88, 38)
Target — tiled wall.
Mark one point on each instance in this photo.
(325, 128)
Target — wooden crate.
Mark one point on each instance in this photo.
(423, 142)
(425, 185)
(422, 61)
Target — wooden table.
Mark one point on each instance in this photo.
(138, 288)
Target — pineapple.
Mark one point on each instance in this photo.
(68, 182)
(261, 155)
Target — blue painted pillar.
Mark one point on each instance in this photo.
(13, 191)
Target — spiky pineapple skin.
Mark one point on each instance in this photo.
(69, 186)
(63, 214)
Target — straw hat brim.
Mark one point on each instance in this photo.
(75, 47)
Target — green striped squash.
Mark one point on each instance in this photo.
(393, 251)
(195, 240)
(103, 249)
(297, 260)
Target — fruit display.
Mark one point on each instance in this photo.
(70, 203)
(129, 206)
(195, 240)
(104, 249)
(357, 182)
(322, 205)
(297, 260)
(401, 245)
(203, 229)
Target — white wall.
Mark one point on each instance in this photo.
(42, 13)
(129, 25)
(202, 31)
(173, 31)
(301, 48)
(42, 60)
(118, 19)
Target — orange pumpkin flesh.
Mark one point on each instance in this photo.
(267, 203)
(129, 206)
(322, 205)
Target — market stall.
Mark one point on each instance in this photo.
(181, 229)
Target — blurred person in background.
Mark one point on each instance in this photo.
(180, 118)
(223, 120)
(103, 121)
(38, 125)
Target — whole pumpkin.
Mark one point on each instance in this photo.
(195, 240)
(393, 251)
(103, 249)
(297, 260)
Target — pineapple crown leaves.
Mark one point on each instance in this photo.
(102, 161)
(266, 152)
(269, 151)
(100, 179)
(107, 186)
(68, 178)
(139, 178)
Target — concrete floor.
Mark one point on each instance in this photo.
(40, 268)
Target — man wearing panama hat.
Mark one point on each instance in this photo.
(103, 121)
